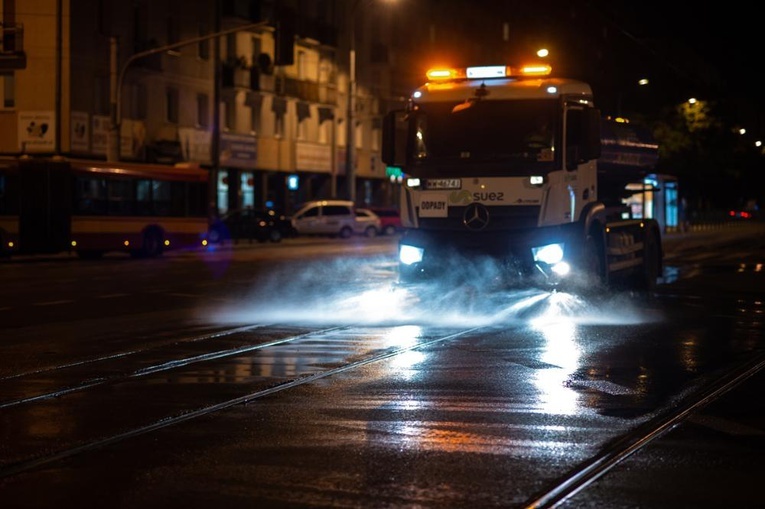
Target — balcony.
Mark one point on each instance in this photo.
(310, 91)
(12, 54)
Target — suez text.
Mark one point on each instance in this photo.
(464, 199)
(491, 196)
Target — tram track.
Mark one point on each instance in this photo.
(29, 453)
(614, 453)
(142, 371)
(562, 489)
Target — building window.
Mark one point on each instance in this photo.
(256, 50)
(231, 47)
(301, 65)
(302, 130)
(247, 187)
(279, 125)
(203, 48)
(303, 119)
(203, 110)
(222, 191)
(376, 134)
(255, 111)
(324, 132)
(279, 107)
(8, 89)
(171, 99)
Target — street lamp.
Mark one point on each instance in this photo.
(350, 137)
(117, 79)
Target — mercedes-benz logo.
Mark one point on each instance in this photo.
(476, 217)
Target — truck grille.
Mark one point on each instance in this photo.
(500, 219)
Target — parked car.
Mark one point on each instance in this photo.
(335, 218)
(367, 223)
(251, 224)
(390, 220)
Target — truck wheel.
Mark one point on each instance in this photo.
(645, 279)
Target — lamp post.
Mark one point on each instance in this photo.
(350, 138)
(350, 149)
(117, 79)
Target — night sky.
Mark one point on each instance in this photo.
(685, 51)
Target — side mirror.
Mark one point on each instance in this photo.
(394, 138)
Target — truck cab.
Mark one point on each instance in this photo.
(500, 163)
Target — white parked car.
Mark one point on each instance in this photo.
(367, 223)
(335, 218)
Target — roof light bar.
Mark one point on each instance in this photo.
(488, 72)
(535, 70)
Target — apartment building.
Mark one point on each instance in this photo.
(255, 91)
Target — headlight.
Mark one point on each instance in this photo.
(410, 254)
(550, 254)
(561, 269)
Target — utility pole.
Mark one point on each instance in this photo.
(350, 116)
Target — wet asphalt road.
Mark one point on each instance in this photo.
(491, 418)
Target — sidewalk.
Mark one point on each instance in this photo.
(706, 234)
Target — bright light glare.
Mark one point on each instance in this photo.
(536, 180)
(402, 363)
(561, 268)
(550, 254)
(492, 71)
(403, 336)
(410, 254)
(562, 353)
(320, 293)
(413, 182)
(368, 303)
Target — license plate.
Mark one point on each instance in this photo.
(443, 184)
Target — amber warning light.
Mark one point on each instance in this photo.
(488, 72)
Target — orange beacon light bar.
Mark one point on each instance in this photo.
(488, 71)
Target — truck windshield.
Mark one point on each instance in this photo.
(486, 131)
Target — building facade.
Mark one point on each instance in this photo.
(255, 91)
